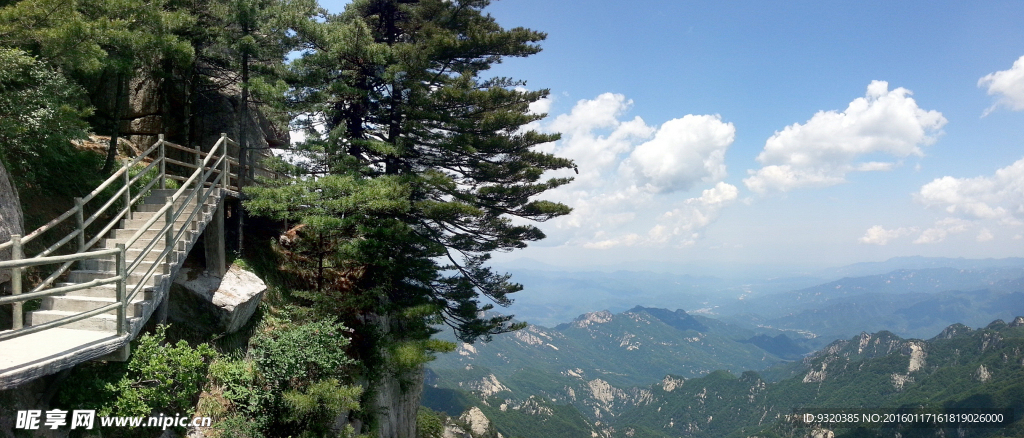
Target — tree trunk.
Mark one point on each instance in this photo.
(243, 148)
(108, 164)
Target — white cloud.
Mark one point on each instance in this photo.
(680, 226)
(632, 176)
(1008, 85)
(541, 106)
(682, 152)
(824, 149)
(985, 235)
(942, 229)
(999, 196)
(878, 235)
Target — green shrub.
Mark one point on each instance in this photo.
(429, 424)
(159, 378)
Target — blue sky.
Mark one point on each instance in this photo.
(779, 133)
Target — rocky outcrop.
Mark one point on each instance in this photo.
(215, 304)
(11, 219)
(587, 319)
(982, 374)
(155, 107)
(397, 403)
(670, 383)
(477, 421)
(486, 386)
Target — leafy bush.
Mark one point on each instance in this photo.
(291, 383)
(429, 424)
(40, 113)
(158, 378)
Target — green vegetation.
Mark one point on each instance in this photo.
(40, 114)
(160, 378)
(290, 381)
(404, 197)
(959, 369)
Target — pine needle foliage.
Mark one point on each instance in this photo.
(416, 166)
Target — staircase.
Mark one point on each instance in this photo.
(94, 310)
(154, 289)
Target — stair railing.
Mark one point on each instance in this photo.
(193, 186)
(17, 297)
(19, 262)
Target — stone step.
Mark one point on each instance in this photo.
(76, 304)
(107, 291)
(80, 276)
(140, 219)
(110, 265)
(160, 197)
(143, 242)
(101, 322)
(150, 208)
(123, 234)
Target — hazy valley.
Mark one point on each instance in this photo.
(744, 354)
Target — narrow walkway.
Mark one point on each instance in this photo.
(124, 272)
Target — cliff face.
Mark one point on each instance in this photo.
(157, 104)
(11, 219)
(397, 402)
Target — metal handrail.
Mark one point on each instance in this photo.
(197, 188)
(16, 299)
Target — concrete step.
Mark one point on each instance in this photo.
(133, 253)
(107, 291)
(102, 322)
(80, 276)
(110, 265)
(150, 208)
(160, 196)
(75, 304)
(123, 234)
(152, 256)
(143, 242)
(140, 219)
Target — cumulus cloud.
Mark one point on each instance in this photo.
(942, 229)
(823, 150)
(633, 177)
(680, 226)
(985, 235)
(1008, 85)
(999, 196)
(682, 152)
(878, 235)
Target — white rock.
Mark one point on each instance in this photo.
(214, 303)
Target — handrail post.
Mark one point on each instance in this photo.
(80, 223)
(16, 254)
(224, 176)
(223, 165)
(169, 218)
(121, 289)
(127, 191)
(201, 181)
(163, 163)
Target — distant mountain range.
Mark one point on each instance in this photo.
(551, 297)
(911, 303)
(958, 368)
(736, 368)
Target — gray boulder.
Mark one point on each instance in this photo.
(215, 304)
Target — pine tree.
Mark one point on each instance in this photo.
(422, 170)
